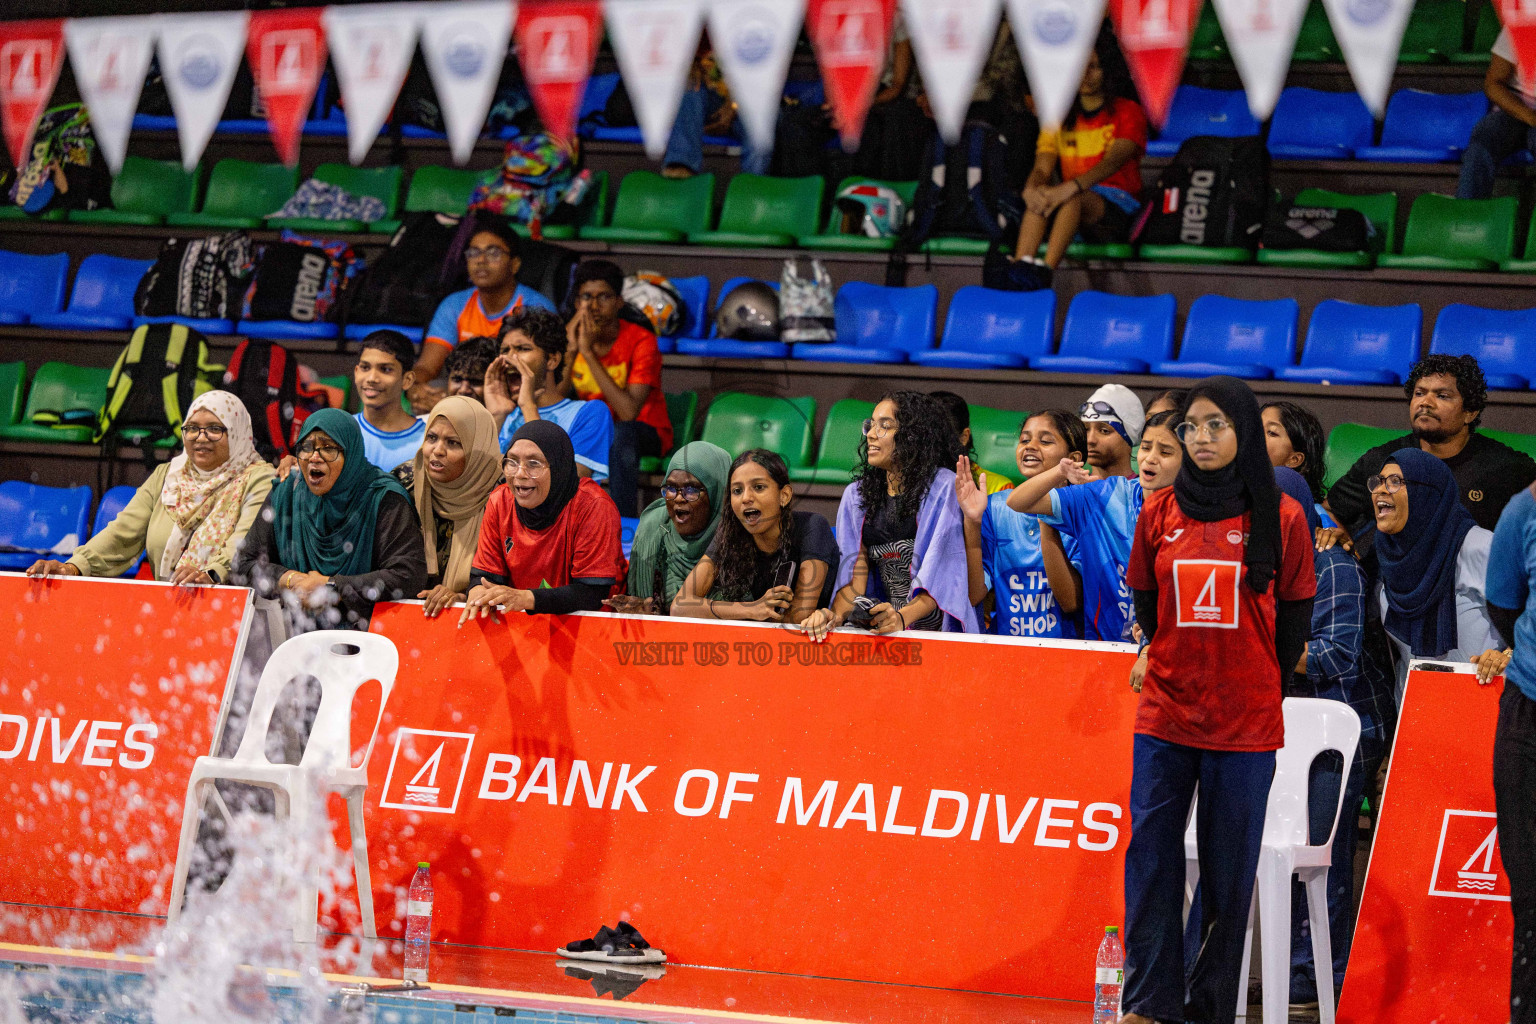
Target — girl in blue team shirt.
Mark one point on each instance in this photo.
(1010, 554)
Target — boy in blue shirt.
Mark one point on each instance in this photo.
(391, 434)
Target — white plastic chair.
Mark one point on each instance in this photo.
(342, 661)
(1311, 727)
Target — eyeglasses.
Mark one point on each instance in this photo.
(596, 300)
(688, 493)
(1212, 429)
(1393, 483)
(327, 452)
(534, 467)
(212, 431)
(880, 429)
(491, 254)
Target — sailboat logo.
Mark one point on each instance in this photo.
(426, 770)
(1467, 864)
(1206, 592)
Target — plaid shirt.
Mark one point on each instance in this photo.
(1339, 664)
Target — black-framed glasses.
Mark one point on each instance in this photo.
(512, 464)
(327, 452)
(212, 431)
(491, 254)
(1392, 483)
(1212, 429)
(687, 492)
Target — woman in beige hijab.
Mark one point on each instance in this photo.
(452, 477)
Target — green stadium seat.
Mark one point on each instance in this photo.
(1527, 265)
(240, 195)
(762, 212)
(1082, 252)
(650, 208)
(1347, 442)
(146, 192)
(1433, 33)
(1380, 208)
(10, 212)
(1482, 38)
(737, 421)
(61, 388)
(591, 216)
(13, 381)
(995, 436)
(1207, 42)
(1315, 41)
(343, 383)
(682, 410)
(1456, 234)
(956, 245)
(1520, 442)
(1202, 255)
(833, 237)
(381, 183)
(841, 436)
(435, 189)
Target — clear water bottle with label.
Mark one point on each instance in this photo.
(418, 924)
(1108, 975)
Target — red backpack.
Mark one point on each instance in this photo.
(265, 376)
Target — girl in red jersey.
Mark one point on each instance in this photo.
(1222, 579)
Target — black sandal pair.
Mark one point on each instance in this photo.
(621, 944)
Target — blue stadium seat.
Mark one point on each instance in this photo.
(1350, 343)
(114, 501)
(288, 330)
(102, 299)
(1426, 127)
(1502, 340)
(1198, 111)
(154, 122)
(37, 521)
(695, 295)
(1237, 337)
(206, 324)
(1313, 124)
(876, 324)
(709, 343)
(990, 328)
(31, 285)
(242, 126)
(1107, 333)
(357, 332)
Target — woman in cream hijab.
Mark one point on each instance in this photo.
(192, 513)
(455, 470)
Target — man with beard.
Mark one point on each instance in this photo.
(1446, 396)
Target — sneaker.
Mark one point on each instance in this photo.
(1303, 991)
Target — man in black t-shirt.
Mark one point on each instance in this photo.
(1446, 396)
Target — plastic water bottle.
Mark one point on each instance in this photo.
(1108, 975)
(418, 924)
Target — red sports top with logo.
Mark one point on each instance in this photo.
(1212, 678)
(583, 543)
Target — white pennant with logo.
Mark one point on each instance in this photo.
(1370, 32)
(464, 45)
(654, 41)
(951, 40)
(199, 55)
(110, 57)
(1055, 38)
(753, 41)
(1261, 35)
(371, 46)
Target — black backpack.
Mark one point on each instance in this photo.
(197, 277)
(153, 382)
(405, 283)
(1215, 192)
(966, 190)
(1321, 228)
(265, 376)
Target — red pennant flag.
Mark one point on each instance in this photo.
(557, 43)
(31, 54)
(852, 40)
(286, 51)
(1154, 36)
(1519, 17)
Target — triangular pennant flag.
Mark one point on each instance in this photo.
(110, 57)
(654, 41)
(557, 43)
(31, 54)
(1261, 35)
(1154, 36)
(951, 40)
(1055, 38)
(754, 41)
(286, 51)
(852, 39)
(199, 56)
(1370, 32)
(371, 47)
(1519, 20)
(465, 45)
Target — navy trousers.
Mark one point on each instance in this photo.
(1234, 789)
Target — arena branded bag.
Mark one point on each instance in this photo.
(1215, 192)
(153, 382)
(300, 279)
(806, 298)
(265, 376)
(197, 277)
(1322, 228)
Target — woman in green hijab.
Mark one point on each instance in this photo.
(336, 536)
(676, 529)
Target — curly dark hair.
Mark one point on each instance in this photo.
(542, 327)
(1073, 434)
(735, 553)
(471, 356)
(925, 443)
(1464, 370)
(1307, 437)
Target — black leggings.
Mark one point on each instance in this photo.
(1514, 789)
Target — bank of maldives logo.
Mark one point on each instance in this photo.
(198, 62)
(1467, 862)
(426, 770)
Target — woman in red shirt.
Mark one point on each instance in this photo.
(1222, 579)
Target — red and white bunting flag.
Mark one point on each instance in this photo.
(31, 54)
(1055, 38)
(655, 42)
(557, 43)
(1519, 19)
(852, 39)
(1261, 35)
(371, 47)
(465, 45)
(286, 51)
(1154, 36)
(199, 56)
(951, 40)
(110, 57)
(754, 41)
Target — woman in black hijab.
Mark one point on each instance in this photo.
(1222, 578)
(550, 540)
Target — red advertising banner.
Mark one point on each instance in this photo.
(1434, 935)
(752, 800)
(31, 55)
(286, 51)
(109, 690)
(557, 43)
(1154, 36)
(853, 41)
